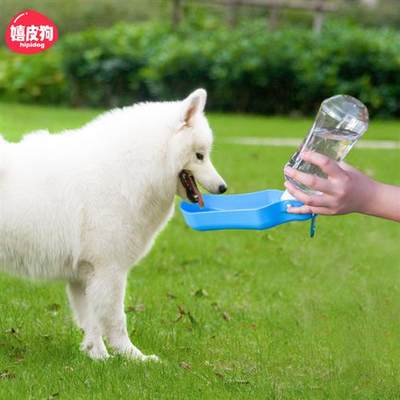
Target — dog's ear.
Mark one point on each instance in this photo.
(192, 105)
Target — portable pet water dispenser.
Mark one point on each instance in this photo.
(340, 122)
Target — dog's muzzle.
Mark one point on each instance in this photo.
(192, 191)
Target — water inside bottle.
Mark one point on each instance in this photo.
(340, 122)
(334, 143)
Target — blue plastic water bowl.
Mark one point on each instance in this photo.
(258, 210)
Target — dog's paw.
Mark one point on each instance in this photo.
(137, 355)
(150, 358)
(95, 352)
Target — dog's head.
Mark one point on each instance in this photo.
(195, 137)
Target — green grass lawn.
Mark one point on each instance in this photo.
(232, 314)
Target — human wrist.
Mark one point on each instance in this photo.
(369, 204)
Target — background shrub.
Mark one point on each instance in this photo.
(247, 69)
(37, 78)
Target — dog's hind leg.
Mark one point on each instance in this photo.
(92, 343)
(108, 299)
(77, 300)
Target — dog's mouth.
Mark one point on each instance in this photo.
(192, 191)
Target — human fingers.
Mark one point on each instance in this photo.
(309, 210)
(328, 166)
(309, 200)
(299, 210)
(312, 181)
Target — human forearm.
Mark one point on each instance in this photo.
(384, 202)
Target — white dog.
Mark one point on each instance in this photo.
(86, 205)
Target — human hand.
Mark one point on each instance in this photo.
(345, 189)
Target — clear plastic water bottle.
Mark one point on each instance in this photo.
(340, 122)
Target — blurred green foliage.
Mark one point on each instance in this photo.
(77, 15)
(386, 13)
(38, 78)
(247, 69)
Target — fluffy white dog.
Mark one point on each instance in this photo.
(85, 205)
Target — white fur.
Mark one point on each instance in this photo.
(85, 205)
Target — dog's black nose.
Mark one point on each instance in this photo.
(222, 188)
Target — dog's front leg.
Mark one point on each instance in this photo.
(108, 301)
(81, 298)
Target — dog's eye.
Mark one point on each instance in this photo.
(200, 156)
